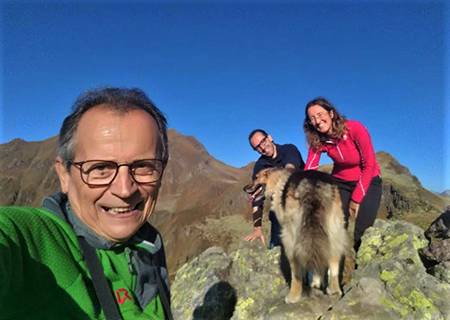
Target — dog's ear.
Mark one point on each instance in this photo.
(264, 174)
(267, 172)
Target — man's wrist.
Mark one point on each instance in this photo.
(257, 218)
(257, 223)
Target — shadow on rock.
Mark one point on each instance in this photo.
(219, 303)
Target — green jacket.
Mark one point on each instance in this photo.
(43, 274)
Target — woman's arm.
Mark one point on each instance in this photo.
(363, 142)
(312, 163)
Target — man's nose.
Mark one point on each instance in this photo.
(123, 185)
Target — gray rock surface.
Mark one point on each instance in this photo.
(390, 282)
(440, 228)
(436, 256)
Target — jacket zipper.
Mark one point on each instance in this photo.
(340, 153)
(129, 254)
(337, 147)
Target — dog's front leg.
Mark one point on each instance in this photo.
(333, 276)
(295, 291)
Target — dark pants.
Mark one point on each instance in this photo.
(275, 231)
(368, 207)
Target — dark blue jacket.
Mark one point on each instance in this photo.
(286, 153)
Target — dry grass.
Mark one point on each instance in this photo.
(421, 220)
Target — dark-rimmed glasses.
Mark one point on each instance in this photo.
(101, 173)
(261, 145)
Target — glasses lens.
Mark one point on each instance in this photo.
(98, 172)
(146, 171)
(320, 115)
(261, 144)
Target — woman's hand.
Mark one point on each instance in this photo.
(353, 208)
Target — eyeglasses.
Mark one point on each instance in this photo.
(101, 173)
(320, 115)
(261, 145)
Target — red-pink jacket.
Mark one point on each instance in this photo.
(353, 157)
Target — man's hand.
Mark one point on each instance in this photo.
(256, 234)
(353, 208)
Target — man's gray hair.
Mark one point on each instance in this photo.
(121, 100)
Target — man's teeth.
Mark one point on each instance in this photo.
(119, 210)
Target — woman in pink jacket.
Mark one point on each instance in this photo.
(355, 168)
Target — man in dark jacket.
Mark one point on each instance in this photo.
(272, 156)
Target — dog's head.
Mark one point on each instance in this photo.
(265, 179)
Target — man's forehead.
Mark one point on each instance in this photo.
(257, 136)
(105, 112)
(104, 125)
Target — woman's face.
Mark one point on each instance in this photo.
(320, 118)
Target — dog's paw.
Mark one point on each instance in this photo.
(290, 299)
(316, 282)
(336, 292)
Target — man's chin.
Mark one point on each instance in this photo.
(121, 232)
(121, 237)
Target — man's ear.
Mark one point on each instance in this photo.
(270, 138)
(63, 174)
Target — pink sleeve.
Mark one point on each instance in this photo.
(363, 142)
(312, 163)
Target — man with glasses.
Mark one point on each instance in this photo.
(89, 252)
(272, 156)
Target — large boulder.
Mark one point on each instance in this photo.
(390, 282)
(436, 256)
(440, 228)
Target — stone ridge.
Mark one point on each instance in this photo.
(390, 283)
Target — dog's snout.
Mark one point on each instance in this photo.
(251, 188)
(248, 188)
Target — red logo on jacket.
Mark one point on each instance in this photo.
(121, 295)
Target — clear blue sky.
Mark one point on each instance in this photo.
(219, 69)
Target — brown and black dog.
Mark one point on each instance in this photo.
(309, 209)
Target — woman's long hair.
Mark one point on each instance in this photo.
(316, 139)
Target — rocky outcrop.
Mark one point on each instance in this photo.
(390, 282)
(436, 256)
(395, 202)
(440, 228)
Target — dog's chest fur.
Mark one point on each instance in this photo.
(282, 198)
